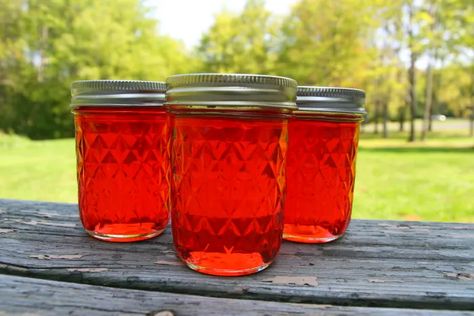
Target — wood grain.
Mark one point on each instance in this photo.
(44, 297)
(378, 263)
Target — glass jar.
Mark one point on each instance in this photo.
(323, 133)
(228, 159)
(123, 164)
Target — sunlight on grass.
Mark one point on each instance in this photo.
(37, 170)
(433, 180)
(430, 180)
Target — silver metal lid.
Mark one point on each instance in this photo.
(331, 99)
(211, 90)
(117, 93)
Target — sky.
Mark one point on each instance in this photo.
(187, 20)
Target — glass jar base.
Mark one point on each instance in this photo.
(107, 235)
(308, 234)
(226, 264)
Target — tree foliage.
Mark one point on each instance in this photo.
(45, 45)
(367, 44)
(325, 42)
(242, 42)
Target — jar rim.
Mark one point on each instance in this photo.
(331, 100)
(231, 90)
(117, 93)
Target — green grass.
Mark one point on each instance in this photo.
(433, 180)
(37, 170)
(414, 183)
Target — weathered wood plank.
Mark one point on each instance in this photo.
(378, 263)
(28, 295)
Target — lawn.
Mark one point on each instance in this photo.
(433, 180)
(37, 170)
(426, 182)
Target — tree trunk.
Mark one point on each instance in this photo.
(376, 117)
(385, 120)
(428, 102)
(471, 125)
(436, 86)
(412, 75)
(412, 84)
(432, 58)
(430, 118)
(401, 118)
(42, 53)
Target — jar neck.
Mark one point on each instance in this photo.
(118, 109)
(231, 111)
(329, 116)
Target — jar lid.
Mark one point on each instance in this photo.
(330, 99)
(117, 93)
(247, 91)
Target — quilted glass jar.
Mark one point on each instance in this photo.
(324, 134)
(228, 159)
(123, 163)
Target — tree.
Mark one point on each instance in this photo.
(53, 43)
(444, 27)
(368, 44)
(413, 51)
(386, 85)
(12, 61)
(324, 43)
(348, 43)
(455, 97)
(240, 42)
(432, 55)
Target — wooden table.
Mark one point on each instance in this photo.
(48, 265)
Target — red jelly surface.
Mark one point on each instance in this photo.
(123, 171)
(320, 183)
(228, 190)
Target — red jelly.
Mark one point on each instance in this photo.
(228, 178)
(123, 164)
(324, 134)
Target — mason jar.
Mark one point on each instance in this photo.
(123, 163)
(324, 134)
(228, 169)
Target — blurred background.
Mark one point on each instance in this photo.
(414, 59)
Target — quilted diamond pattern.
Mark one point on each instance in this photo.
(321, 171)
(228, 188)
(123, 169)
